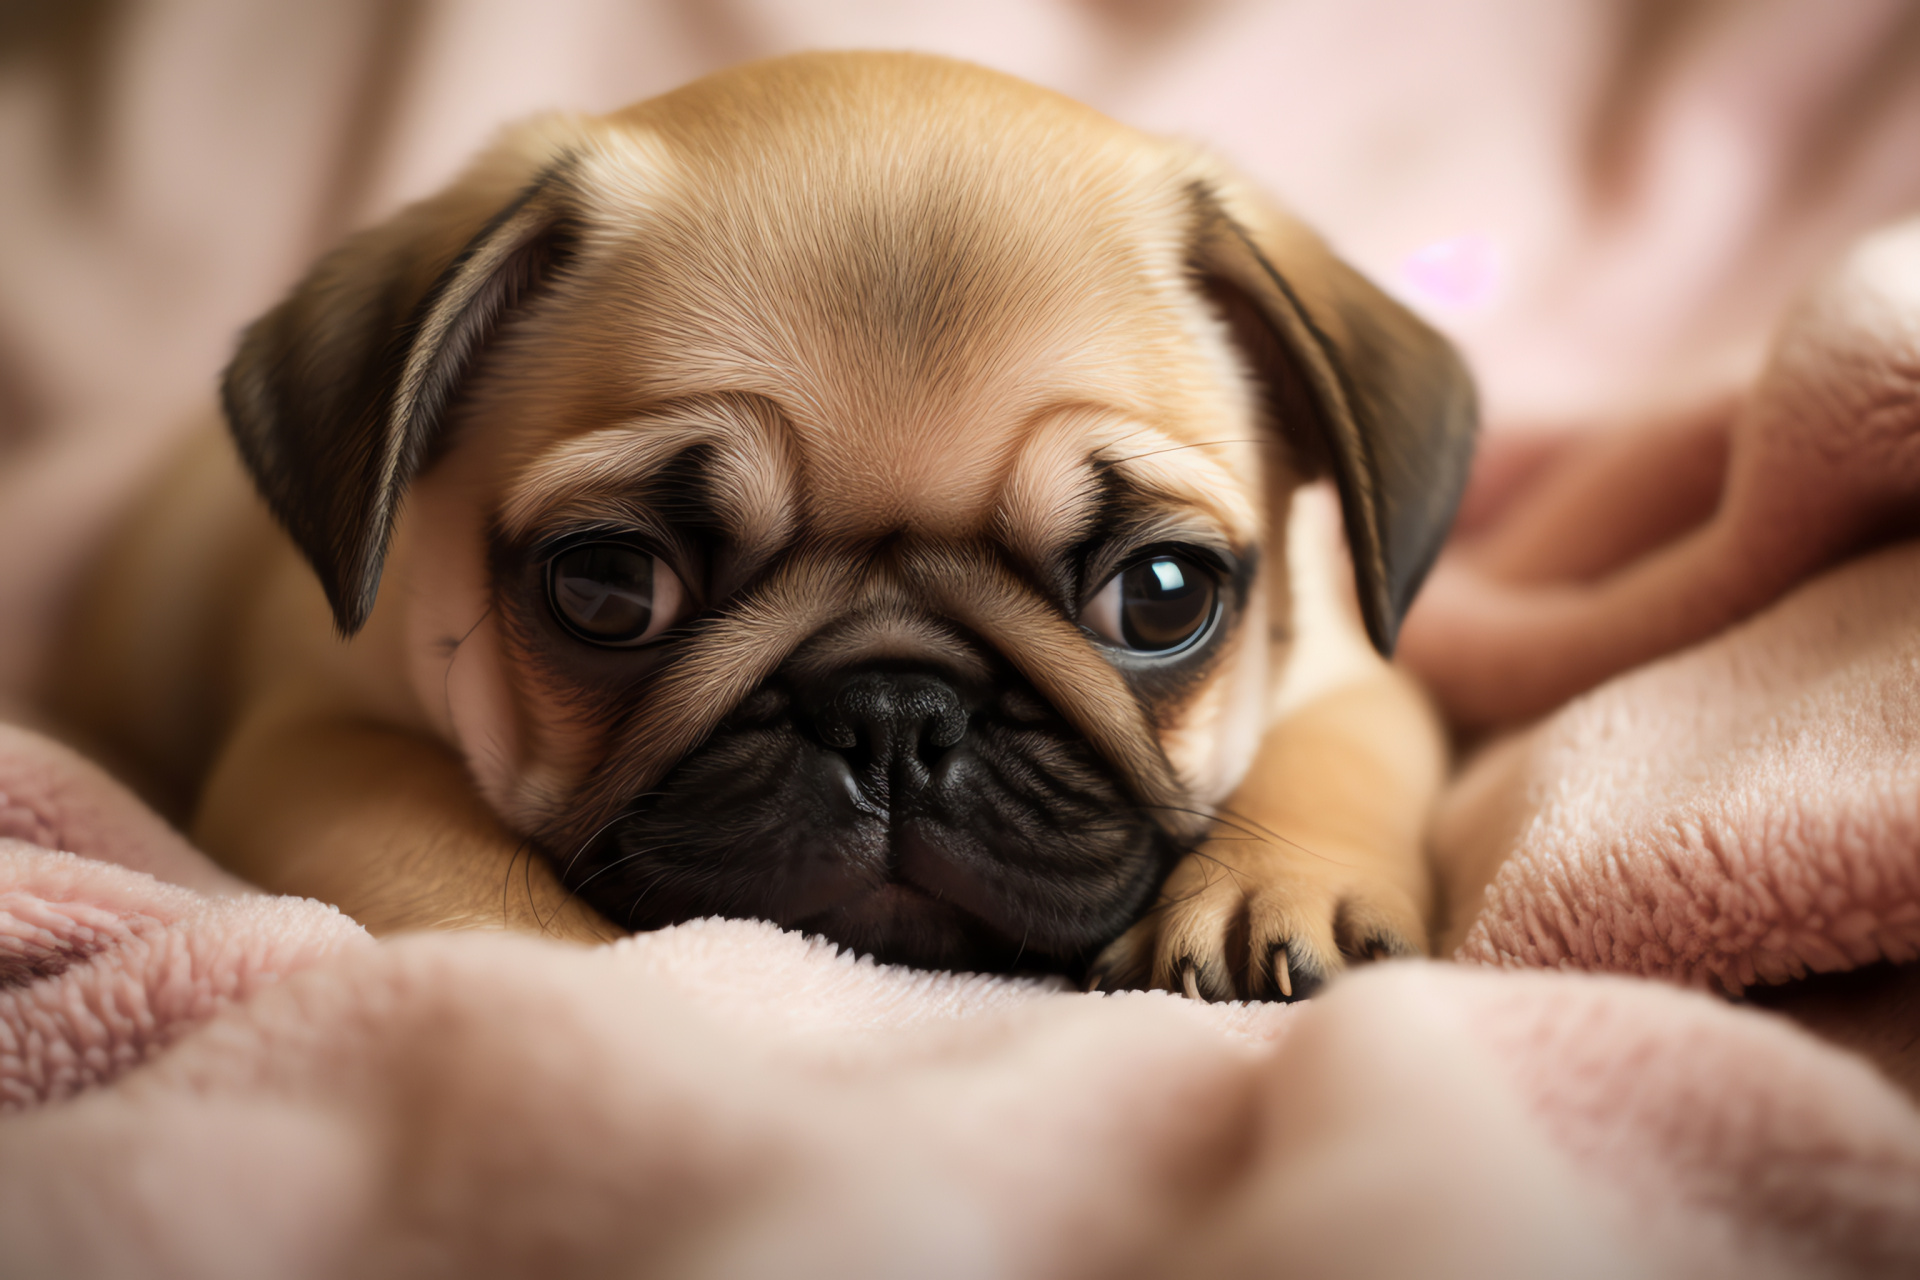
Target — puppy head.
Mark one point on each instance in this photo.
(848, 491)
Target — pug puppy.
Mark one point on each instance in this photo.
(854, 491)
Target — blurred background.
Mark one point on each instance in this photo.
(1606, 202)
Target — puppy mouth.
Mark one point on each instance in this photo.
(896, 812)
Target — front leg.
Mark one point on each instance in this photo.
(384, 825)
(1317, 861)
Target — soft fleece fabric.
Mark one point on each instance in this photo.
(726, 1099)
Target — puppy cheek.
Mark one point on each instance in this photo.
(456, 661)
(481, 713)
(1211, 741)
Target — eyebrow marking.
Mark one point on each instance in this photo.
(1175, 448)
(749, 475)
(1053, 493)
(1207, 477)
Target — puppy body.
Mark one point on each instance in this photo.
(891, 364)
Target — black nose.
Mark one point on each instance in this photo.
(892, 726)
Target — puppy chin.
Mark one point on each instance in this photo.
(919, 816)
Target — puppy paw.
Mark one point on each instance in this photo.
(1234, 926)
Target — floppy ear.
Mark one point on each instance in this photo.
(336, 396)
(1362, 389)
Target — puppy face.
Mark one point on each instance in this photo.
(849, 491)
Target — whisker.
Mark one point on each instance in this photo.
(446, 677)
(641, 896)
(1176, 448)
(506, 880)
(620, 861)
(1252, 830)
(1212, 819)
(626, 811)
(1277, 838)
(527, 877)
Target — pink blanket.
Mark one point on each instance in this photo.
(206, 1082)
(722, 1098)
(1601, 201)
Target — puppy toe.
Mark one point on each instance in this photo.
(1291, 949)
(1198, 973)
(1291, 970)
(1181, 945)
(1200, 918)
(1171, 950)
(1127, 962)
(1379, 926)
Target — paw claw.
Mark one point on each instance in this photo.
(1289, 977)
(1190, 981)
(1307, 982)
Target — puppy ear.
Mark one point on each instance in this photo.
(1362, 389)
(336, 396)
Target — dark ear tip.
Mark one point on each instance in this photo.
(1383, 628)
(349, 617)
(351, 598)
(1414, 531)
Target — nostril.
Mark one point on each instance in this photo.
(836, 729)
(947, 725)
(877, 716)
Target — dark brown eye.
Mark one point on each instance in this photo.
(611, 593)
(1155, 606)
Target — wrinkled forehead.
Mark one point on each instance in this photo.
(935, 332)
(1070, 474)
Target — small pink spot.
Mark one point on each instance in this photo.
(1454, 274)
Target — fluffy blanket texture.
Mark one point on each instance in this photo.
(201, 1081)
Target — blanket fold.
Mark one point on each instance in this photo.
(1746, 812)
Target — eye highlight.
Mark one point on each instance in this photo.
(1157, 605)
(614, 594)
